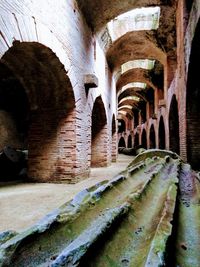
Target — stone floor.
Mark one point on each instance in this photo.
(23, 204)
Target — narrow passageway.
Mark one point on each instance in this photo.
(23, 204)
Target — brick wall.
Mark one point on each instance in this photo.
(68, 36)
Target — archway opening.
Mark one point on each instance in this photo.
(114, 139)
(121, 142)
(174, 139)
(45, 119)
(152, 137)
(161, 133)
(129, 141)
(144, 139)
(136, 140)
(192, 105)
(121, 126)
(99, 144)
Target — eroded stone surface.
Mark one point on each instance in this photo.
(127, 220)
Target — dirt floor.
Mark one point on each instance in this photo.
(23, 204)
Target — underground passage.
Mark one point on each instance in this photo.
(99, 133)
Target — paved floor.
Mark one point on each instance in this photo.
(23, 204)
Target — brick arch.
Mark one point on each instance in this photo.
(152, 137)
(174, 139)
(99, 138)
(161, 134)
(192, 103)
(51, 134)
(121, 50)
(114, 139)
(135, 75)
(144, 139)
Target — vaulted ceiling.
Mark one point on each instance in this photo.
(132, 44)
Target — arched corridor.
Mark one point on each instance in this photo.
(174, 126)
(85, 85)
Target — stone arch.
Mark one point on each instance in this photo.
(144, 139)
(152, 137)
(161, 134)
(192, 103)
(51, 110)
(135, 75)
(99, 140)
(129, 141)
(136, 140)
(114, 139)
(122, 142)
(121, 50)
(174, 139)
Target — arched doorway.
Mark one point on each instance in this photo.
(144, 139)
(193, 103)
(152, 137)
(121, 126)
(121, 142)
(129, 141)
(161, 133)
(47, 125)
(114, 139)
(99, 144)
(136, 140)
(174, 139)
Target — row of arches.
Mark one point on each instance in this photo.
(38, 114)
(187, 116)
(174, 133)
(143, 143)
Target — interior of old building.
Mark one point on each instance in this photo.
(83, 82)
